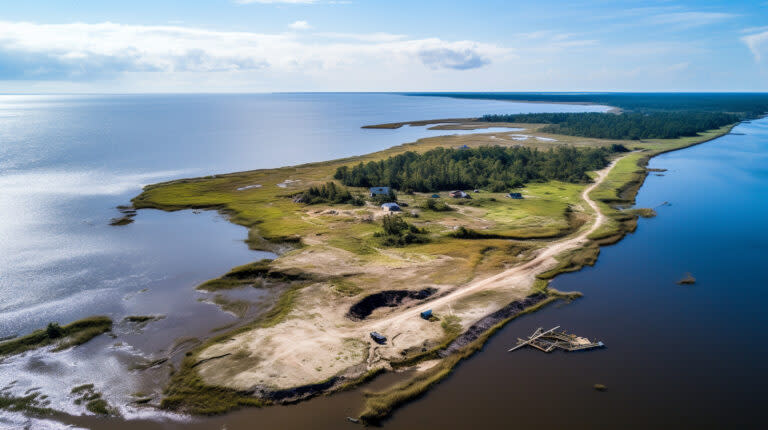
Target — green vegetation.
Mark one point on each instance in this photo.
(87, 394)
(630, 126)
(274, 219)
(397, 232)
(252, 274)
(138, 319)
(573, 261)
(380, 405)
(187, 392)
(451, 325)
(329, 193)
(345, 287)
(76, 333)
(467, 233)
(31, 404)
(436, 205)
(493, 167)
(747, 105)
(54, 330)
(123, 220)
(237, 307)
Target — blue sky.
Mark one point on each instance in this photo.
(382, 45)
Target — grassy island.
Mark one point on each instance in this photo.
(535, 204)
(67, 336)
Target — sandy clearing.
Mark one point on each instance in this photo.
(524, 272)
(317, 341)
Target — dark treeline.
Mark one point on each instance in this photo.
(397, 232)
(746, 105)
(657, 125)
(328, 193)
(494, 168)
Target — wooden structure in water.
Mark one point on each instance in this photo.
(552, 339)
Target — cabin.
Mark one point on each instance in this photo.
(378, 338)
(379, 191)
(391, 207)
(427, 314)
(459, 195)
(515, 196)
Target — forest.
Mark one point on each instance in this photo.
(745, 105)
(629, 126)
(328, 193)
(494, 168)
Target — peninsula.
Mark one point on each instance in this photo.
(434, 279)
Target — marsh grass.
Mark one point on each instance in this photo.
(380, 405)
(451, 325)
(73, 334)
(30, 404)
(254, 274)
(187, 392)
(573, 260)
(345, 287)
(86, 394)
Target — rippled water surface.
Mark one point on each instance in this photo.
(690, 357)
(67, 161)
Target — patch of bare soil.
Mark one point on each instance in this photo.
(317, 341)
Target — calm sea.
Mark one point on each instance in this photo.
(67, 161)
(687, 357)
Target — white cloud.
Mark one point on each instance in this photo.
(299, 25)
(758, 44)
(363, 37)
(86, 51)
(755, 29)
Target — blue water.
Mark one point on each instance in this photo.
(689, 357)
(67, 161)
(677, 356)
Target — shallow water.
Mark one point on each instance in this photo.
(676, 356)
(67, 161)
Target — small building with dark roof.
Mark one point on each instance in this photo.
(379, 191)
(391, 207)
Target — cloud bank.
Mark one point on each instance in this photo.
(757, 44)
(86, 51)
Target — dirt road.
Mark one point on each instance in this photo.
(313, 347)
(522, 275)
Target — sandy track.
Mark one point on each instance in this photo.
(523, 273)
(306, 349)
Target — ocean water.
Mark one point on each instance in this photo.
(676, 356)
(67, 161)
